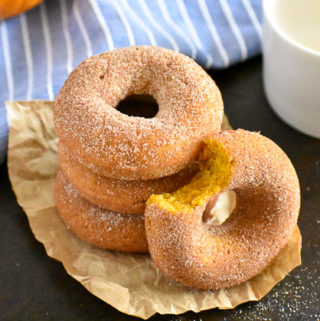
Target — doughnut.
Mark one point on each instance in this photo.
(100, 227)
(118, 195)
(119, 146)
(267, 208)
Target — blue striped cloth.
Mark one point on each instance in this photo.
(38, 49)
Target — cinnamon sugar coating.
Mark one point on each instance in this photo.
(213, 257)
(100, 227)
(135, 148)
(118, 195)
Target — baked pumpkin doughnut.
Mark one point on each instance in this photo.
(135, 148)
(100, 227)
(268, 201)
(118, 195)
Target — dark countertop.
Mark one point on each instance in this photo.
(36, 287)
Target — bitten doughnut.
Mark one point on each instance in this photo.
(134, 148)
(100, 227)
(268, 201)
(118, 195)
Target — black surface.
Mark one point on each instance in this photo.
(36, 287)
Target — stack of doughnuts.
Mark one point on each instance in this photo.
(139, 184)
(110, 163)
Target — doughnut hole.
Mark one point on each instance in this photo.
(219, 208)
(139, 106)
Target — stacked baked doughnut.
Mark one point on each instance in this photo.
(142, 184)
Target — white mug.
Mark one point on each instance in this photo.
(291, 61)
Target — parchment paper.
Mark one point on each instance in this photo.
(129, 282)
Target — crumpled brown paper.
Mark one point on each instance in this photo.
(129, 282)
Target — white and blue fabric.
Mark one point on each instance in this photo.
(38, 49)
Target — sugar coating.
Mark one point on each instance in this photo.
(98, 226)
(268, 203)
(118, 195)
(124, 147)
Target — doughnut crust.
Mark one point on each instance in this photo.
(100, 227)
(135, 148)
(118, 195)
(268, 201)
